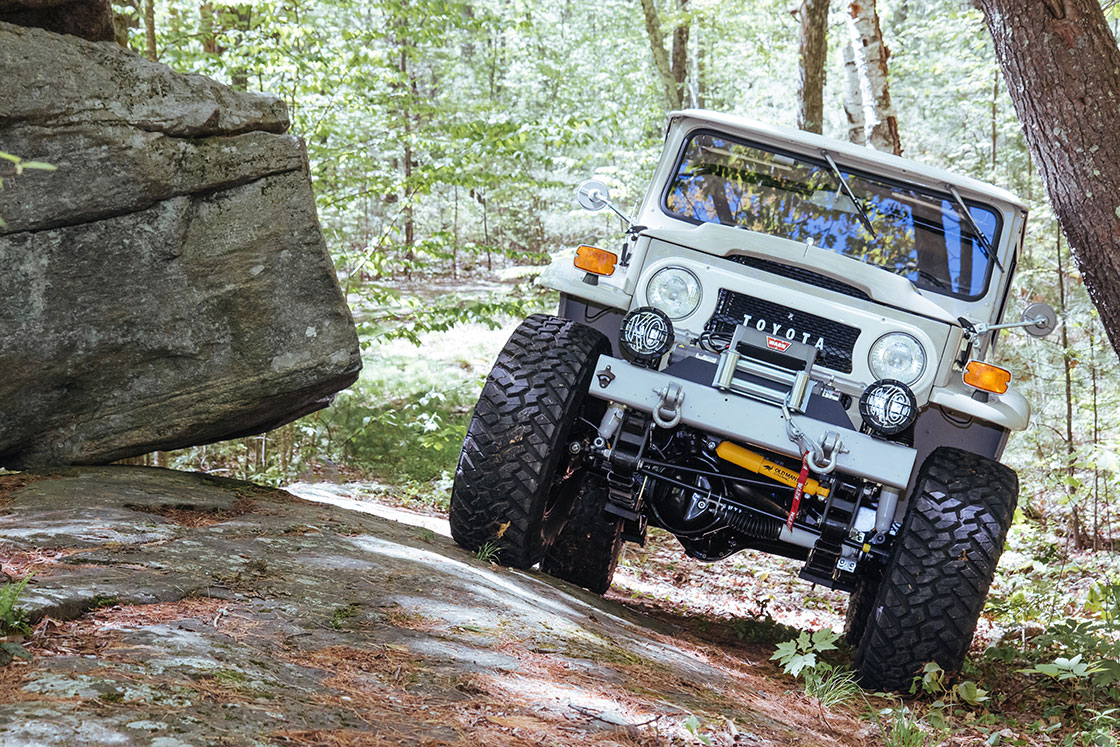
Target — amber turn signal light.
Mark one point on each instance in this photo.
(987, 377)
(596, 261)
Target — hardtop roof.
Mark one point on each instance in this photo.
(847, 153)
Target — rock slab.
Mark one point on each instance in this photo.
(189, 610)
(168, 284)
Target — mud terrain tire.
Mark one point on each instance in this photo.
(860, 603)
(937, 578)
(585, 552)
(516, 482)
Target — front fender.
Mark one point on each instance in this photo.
(1009, 410)
(565, 277)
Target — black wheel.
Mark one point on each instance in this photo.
(517, 479)
(935, 583)
(860, 603)
(586, 550)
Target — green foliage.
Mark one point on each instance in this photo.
(342, 616)
(934, 682)
(801, 652)
(488, 552)
(13, 620)
(693, 726)
(1063, 669)
(831, 685)
(901, 728)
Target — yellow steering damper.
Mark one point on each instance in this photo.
(759, 464)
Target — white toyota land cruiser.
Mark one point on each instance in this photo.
(786, 353)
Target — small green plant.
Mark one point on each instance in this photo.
(801, 652)
(902, 729)
(934, 683)
(1102, 728)
(13, 620)
(1063, 669)
(488, 552)
(1073, 638)
(342, 616)
(831, 685)
(426, 535)
(693, 726)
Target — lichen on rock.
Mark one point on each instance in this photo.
(153, 280)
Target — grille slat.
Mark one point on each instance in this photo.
(839, 339)
(801, 275)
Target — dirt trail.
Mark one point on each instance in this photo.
(176, 608)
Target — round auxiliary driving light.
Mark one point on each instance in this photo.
(888, 407)
(646, 334)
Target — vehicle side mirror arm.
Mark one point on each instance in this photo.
(593, 195)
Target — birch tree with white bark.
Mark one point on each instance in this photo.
(869, 56)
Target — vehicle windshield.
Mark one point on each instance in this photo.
(917, 234)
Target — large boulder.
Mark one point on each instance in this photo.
(168, 284)
(89, 19)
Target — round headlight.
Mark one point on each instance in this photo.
(646, 334)
(888, 407)
(675, 291)
(897, 356)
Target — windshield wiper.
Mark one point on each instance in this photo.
(985, 247)
(929, 277)
(863, 217)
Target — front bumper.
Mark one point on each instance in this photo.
(750, 422)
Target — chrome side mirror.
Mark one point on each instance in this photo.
(593, 195)
(1040, 319)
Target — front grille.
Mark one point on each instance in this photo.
(801, 275)
(839, 339)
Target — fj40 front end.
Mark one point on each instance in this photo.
(785, 353)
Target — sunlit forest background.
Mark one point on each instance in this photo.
(446, 139)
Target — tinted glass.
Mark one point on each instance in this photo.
(918, 235)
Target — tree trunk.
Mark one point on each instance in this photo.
(150, 28)
(995, 113)
(680, 53)
(661, 57)
(853, 99)
(1060, 62)
(1067, 367)
(702, 55)
(879, 121)
(812, 17)
(1096, 441)
(206, 30)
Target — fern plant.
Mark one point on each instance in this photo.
(13, 620)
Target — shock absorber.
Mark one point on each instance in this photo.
(759, 464)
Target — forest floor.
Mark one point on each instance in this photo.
(176, 608)
(391, 444)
